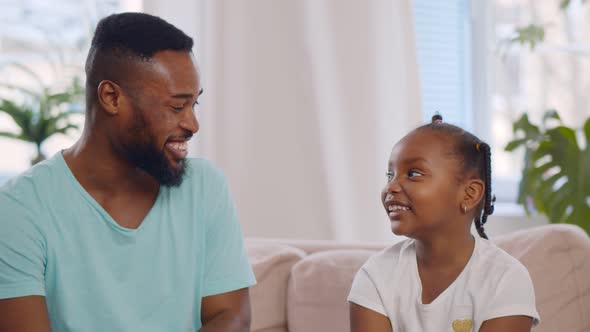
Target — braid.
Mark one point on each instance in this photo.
(475, 155)
(437, 118)
(488, 207)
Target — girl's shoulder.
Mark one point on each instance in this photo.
(495, 263)
(391, 258)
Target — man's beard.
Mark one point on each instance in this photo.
(146, 157)
(143, 153)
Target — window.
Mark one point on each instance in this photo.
(468, 73)
(443, 43)
(549, 77)
(50, 38)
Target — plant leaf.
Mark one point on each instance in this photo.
(29, 72)
(562, 146)
(523, 124)
(9, 135)
(34, 95)
(512, 145)
(559, 202)
(65, 129)
(551, 115)
(531, 34)
(21, 115)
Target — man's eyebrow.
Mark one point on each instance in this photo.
(186, 95)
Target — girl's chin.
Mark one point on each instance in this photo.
(397, 228)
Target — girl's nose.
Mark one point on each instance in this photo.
(393, 186)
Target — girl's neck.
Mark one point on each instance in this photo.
(445, 251)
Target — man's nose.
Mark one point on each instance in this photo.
(190, 122)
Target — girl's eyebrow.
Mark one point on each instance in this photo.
(415, 159)
(411, 161)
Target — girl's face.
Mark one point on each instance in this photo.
(423, 192)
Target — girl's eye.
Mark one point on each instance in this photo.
(196, 105)
(413, 173)
(389, 175)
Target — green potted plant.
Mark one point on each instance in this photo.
(556, 173)
(40, 115)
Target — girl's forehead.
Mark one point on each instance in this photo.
(422, 144)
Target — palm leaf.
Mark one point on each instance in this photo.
(21, 115)
(29, 72)
(34, 95)
(64, 130)
(9, 135)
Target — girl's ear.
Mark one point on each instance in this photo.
(474, 191)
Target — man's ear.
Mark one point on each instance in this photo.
(109, 96)
(474, 191)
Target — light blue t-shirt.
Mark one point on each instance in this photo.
(58, 242)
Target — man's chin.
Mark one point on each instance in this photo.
(168, 173)
(175, 174)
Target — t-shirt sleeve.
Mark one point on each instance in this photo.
(364, 292)
(22, 252)
(226, 261)
(513, 296)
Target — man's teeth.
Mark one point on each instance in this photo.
(179, 146)
(398, 208)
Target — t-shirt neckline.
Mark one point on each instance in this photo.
(449, 289)
(99, 208)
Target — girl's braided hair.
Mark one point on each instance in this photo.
(475, 157)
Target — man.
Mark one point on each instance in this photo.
(120, 232)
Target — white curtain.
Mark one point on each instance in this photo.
(303, 102)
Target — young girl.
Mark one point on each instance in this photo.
(442, 278)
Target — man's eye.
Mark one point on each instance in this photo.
(177, 108)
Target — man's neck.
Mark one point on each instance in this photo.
(97, 167)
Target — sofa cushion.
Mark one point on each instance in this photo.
(318, 289)
(558, 260)
(272, 263)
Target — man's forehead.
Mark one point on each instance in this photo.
(174, 71)
(172, 59)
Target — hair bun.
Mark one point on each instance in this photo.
(437, 118)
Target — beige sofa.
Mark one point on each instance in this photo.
(302, 285)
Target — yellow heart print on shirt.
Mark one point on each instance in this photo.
(462, 325)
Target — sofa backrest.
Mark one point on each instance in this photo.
(303, 285)
(558, 260)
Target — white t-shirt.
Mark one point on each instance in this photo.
(493, 284)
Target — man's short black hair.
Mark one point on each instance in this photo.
(125, 37)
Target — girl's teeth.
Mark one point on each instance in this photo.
(398, 208)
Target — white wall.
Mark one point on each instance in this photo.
(315, 223)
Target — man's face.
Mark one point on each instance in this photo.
(161, 117)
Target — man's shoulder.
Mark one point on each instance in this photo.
(201, 165)
(33, 184)
(203, 171)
